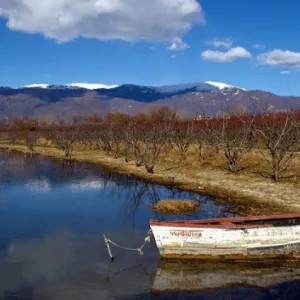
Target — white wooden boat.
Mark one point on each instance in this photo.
(189, 276)
(239, 238)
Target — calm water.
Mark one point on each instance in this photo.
(52, 219)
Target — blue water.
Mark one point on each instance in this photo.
(53, 215)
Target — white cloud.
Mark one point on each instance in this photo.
(88, 184)
(280, 58)
(218, 43)
(42, 185)
(285, 72)
(228, 56)
(177, 55)
(128, 20)
(259, 46)
(178, 45)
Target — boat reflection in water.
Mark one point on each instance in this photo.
(189, 276)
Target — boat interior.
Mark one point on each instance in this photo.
(237, 222)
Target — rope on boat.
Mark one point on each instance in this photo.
(139, 249)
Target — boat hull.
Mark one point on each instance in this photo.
(191, 241)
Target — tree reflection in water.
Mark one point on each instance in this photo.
(135, 193)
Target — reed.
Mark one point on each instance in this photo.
(176, 206)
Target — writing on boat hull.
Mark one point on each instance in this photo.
(186, 233)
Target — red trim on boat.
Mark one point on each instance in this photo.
(218, 226)
(235, 219)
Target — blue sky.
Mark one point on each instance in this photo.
(250, 43)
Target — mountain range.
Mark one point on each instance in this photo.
(53, 102)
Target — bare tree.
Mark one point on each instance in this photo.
(200, 141)
(30, 140)
(99, 138)
(134, 137)
(107, 137)
(159, 114)
(26, 123)
(93, 119)
(13, 136)
(155, 144)
(116, 138)
(232, 136)
(65, 137)
(132, 142)
(182, 137)
(280, 136)
(147, 142)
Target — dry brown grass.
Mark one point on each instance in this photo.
(176, 207)
(44, 142)
(252, 163)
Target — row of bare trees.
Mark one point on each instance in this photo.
(276, 137)
(146, 139)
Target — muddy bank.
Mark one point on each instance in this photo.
(249, 194)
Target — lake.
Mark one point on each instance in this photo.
(53, 215)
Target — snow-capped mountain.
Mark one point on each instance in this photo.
(88, 86)
(55, 102)
(37, 85)
(91, 86)
(200, 86)
(221, 85)
(142, 93)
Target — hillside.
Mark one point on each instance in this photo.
(54, 102)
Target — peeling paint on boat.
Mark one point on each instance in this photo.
(233, 238)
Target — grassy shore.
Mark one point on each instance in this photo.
(248, 193)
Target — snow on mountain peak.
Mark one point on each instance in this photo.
(172, 88)
(91, 86)
(88, 86)
(221, 85)
(37, 85)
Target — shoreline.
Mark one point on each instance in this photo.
(247, 194)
